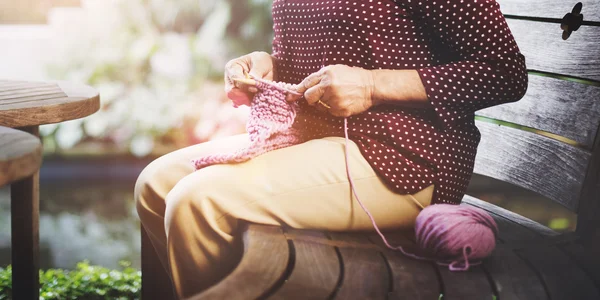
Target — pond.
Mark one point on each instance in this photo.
(87, 211)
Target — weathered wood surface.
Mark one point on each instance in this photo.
(24, 217)
(264, 263)
(371, 271)
(586, 258)
(20, 155)
(408, 276)
(316, 270)
(466, 285)
(534, 229)
(545, 50)
(565, 108)
(554, 9)
(365, 271)
(562, 277)
(540, 164)
(513, 278)
(27, 104)
(588, 222)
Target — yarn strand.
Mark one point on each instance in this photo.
(459, 236)
(451, 265)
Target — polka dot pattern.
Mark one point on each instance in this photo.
(463, 52)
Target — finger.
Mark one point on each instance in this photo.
(239, 97)
(314, 94)
(308, 82)
(235, 69)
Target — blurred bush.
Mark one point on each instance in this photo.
(86, 282)
(158, 65)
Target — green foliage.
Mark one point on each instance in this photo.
(559, 224)
(85, 282)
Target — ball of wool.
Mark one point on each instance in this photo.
(456, 233)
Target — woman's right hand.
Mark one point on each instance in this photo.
(258, 64)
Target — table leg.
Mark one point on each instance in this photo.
(25, 213)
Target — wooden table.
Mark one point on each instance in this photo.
(25, 106)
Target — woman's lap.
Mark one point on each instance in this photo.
(303, 186)
(311, 177)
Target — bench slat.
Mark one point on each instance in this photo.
(588, 261)
(263, 264)
(545, 50)
(512, 277)
(472, 284)
(316, 270)
(555, 9)
(565, 108)
(365, 273)
(538, 163)
(519, 229)
(411, 279)
(563, 278)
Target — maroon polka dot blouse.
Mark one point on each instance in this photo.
(465, 56)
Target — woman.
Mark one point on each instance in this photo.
(408, 74)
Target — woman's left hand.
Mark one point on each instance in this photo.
(347, 90)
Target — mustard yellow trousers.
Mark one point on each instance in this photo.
(192, 216)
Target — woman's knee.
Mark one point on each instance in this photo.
(205, 193)
(156, 180)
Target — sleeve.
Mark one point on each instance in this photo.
(485, 67)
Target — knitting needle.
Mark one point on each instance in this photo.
(246, 81)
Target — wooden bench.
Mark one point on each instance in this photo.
(549, 143)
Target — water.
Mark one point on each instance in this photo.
(87, 212)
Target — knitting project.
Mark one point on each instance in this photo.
(269, 126)
(458, 232)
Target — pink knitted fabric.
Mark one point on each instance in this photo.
(269, 125)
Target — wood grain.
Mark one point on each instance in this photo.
(545, 50)
(365, 272)
(565, 108)
(471, 284)
(588, 222)
(265, 260)
(586, 259)
(563, 278)
(540, 164)
(513, 278)
(20, 155)
(554, 9)
(409, 276)
(316, 270)
(530, 225)
(28, 104)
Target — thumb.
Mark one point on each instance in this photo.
(308, 82)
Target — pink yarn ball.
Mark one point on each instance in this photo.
(449, 232)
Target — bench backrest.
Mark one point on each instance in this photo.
(548, 142)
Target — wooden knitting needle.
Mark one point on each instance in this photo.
(246, 81)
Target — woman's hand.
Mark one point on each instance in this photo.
(347, 90)
(258, 64)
